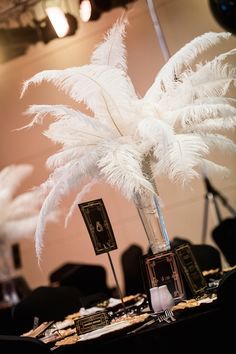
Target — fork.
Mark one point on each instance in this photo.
(169, 314)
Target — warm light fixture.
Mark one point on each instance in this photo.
(58, 20)
(85, 10)
(91, 10)
(38, 20)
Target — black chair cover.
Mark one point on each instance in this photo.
(132, 271)
(47, 304)
(224, 236)
(10, 344)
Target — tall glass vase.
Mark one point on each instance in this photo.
(162, 267)
(149, 210)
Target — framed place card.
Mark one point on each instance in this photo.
(191, 270)
(162, 269)
(98, 225)
(85, 324)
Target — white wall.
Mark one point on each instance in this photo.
(181, 21)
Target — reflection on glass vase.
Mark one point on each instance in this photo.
(149, 210)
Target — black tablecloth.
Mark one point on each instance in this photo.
(195, 330)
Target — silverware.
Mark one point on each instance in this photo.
(146, 324)
(169, 314)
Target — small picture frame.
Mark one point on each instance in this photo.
(162, 269)
(98, 225)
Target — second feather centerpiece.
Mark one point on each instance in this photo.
(127, 140)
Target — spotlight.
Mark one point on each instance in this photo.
(35, 22)
(91, 10)
(58, 23)
(58, 20)
(47, 31)
(88, 11)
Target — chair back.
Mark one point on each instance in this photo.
(45, 303)
(132, 273)
(89, 279)
(26, 345)
(224, 236)
(207, 256)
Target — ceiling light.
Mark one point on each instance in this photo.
(25, 22)
(47, 31)
(58, 20)
(85, 10)
(91, 10)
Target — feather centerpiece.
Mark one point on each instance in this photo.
(174, 126)
(18, 213)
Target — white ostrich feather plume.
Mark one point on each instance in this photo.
(19, 213)
(175, 125)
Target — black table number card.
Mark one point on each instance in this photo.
(191, 270)
(98, 225)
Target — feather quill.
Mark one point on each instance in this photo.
(112, 50)
(182, 157)
(221, 142)
(197, 113)
(210, 169)
(96, 81)
(79, 197)
(184, 57)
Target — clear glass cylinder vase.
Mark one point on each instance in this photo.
(149, 210)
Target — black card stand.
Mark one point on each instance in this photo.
(101, 233)
(116, 281)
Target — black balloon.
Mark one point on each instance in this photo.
(224, 12)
